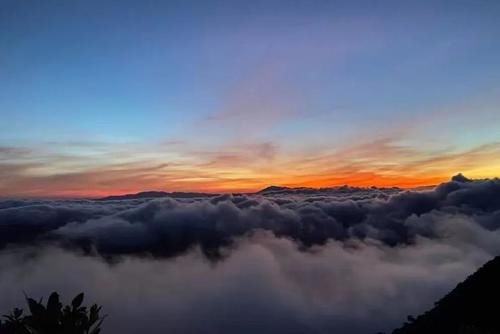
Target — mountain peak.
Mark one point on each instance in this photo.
(460, 178)
(272, 189)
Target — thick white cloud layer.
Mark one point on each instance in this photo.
(345, 261)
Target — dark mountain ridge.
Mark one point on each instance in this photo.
(271, 190)
(470, 308)
(157, 194)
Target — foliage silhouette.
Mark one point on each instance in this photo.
(53, 318)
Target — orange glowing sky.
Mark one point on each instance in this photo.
(246, 168)
(100, 99)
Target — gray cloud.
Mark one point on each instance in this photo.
(171, 226)
(265, 284)
(341, 260)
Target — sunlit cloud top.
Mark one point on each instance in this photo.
(101, 97)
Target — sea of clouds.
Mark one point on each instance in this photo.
(339, 260)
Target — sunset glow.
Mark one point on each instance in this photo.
(316, 96)
(249, 166)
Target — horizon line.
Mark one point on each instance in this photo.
(98, 195)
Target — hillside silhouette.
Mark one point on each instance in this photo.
(467, 309)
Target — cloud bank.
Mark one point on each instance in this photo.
(341, 260)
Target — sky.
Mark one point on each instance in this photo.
(110, 97)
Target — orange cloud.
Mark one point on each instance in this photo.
(248, 167)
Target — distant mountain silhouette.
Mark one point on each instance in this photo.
(279, 190)
(460, 178)
(272, 189)
(157, 194)
(470, 308)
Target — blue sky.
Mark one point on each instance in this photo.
(83, 77)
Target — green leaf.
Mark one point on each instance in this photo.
(35, 307)
(97, 327)
(18, 312)
(52, 318)
(77, 301)
(53, 304)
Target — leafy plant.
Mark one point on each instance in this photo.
(53, 318)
